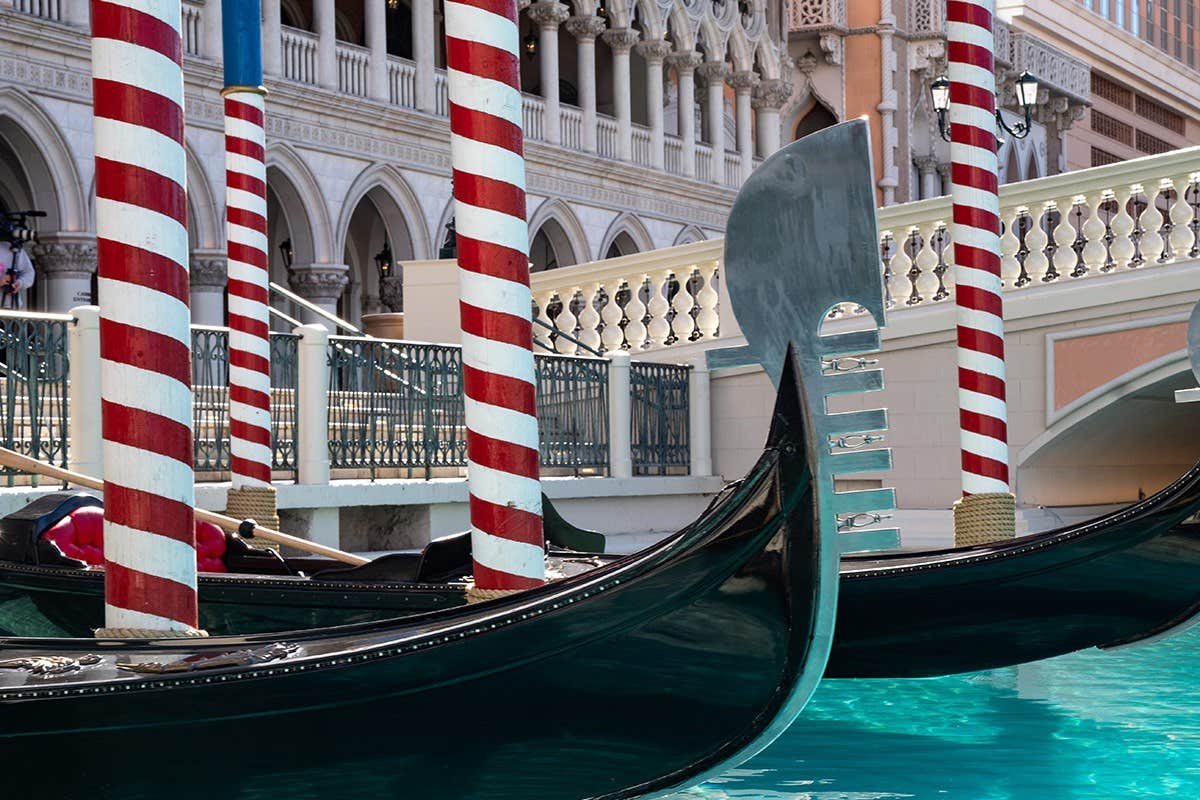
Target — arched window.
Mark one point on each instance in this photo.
(818, 118)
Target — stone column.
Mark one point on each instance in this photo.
(209, 274)
(375, 22)
(212, 44)
(64, 264)
(943, 171)
(685, 68)
(585, 30)
(1057, 114)
(621, 42)
(321, 285)
(713, 75)
(272, 39)
(549, 15)
(325, 25)
(769, 97)
(931, 184)
(654, 53)
(743, 83)
(78, 12)
(423, 34)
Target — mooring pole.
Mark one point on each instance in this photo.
(145, 343)
(986, 511)
(251, 494)
(487, 155)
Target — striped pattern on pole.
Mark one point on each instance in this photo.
(487, 156)
(976, 235)
(145, 345)
(249, 324)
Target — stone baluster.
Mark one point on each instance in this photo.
(1010, 245)
(424, 37)
(659, 328)
(926, 261)
(769, 97)
(565, 322)
(685, 65)
(325, 25)
(1181, 217)
(589, 317)
(904, 287)
(743, 84)
(683, 325)
(1064, 234)
(635, 313)
(1094, 229)
(654, 53)
(1037, 265)
(272, 41)
(208, 273)
(945, 251)
(375, 24)
(612, 337)
(549, 14)
(585, 30)
(65, 263)
(621, 42)
(543, 302)
(707, 318)
(1151, 222)
(886, 245)
(322, 285)
(1122, 248)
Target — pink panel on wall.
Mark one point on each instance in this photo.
(1087, 362)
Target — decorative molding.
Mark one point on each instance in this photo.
(208, 271)
(772, 94)
(585, 28)
(685, 62)
(548, 14)
(713, 71)
(1053, 68)
(831, 46)
(320, 282)
(65, 257)
(745, 80)
(621, 40)
(655, 50)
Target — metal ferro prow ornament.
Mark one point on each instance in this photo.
(801, 239)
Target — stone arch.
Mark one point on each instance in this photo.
(680, 28)
(51, 181)
(291, 9)
(562, 227)
(650, 17)
(689, 235)
(300, 198)
(713, 39)
(638, 239)
(205, 214)
(811, 117)
(1033, 167)
(741, 50)
(766, 59)
(386, 188)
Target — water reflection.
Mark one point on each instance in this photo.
(1089, 726)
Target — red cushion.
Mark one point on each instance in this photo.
(80, 535)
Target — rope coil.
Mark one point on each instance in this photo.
(985, 518)
(257, 503)
(149, 633)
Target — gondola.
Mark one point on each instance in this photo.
(637, 677)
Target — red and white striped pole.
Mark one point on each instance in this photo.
(986, 511)
(251, 494)
(487, 154)
(145, 344)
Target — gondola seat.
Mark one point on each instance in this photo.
(80, 535)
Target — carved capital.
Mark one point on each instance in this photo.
(319, 283)
(744, 81)
(391, 293)
(65, 256)
(772, 94)
(208, 271)
(926, 165)
(655, 50)
(831, 46)
(585, 28)
(685, 63)
(712, 73)
(548, 15)
(621, 40)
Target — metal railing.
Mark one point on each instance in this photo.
(660, 442)
(572, 409)
(34, 367)
(210, 403)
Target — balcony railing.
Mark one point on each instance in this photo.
(571, 127)
(191, 28)
(606, 136)
(402, 82)
(533, 117)
(816, 15)
(299, 54)
(43, 9)
(352, 67)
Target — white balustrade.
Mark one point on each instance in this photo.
(441, 96)
(570, 122)
(45, 9)
(299, 55)
(191, 29)
(733, 162)
(352, 62)
(641, 145)
(606, 136)
(533, 117)
(704, 162)
(402, 82)
(673, 152)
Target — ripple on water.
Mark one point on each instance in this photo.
(1088, 726)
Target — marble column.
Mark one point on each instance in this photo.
(621, 42)
(375, 22)
(208, 274)
(743, 83)
(769, 97)
(713, 75)
(585, 30)
(78, 12)
(654, 53)
(943, 171)
(931, 184)
(212, 44)
(424, 33)
(325, 26)
(549, 15)
(322, 285)
(64, 264)
(1057, 114)
(272, 38)
(685, 65)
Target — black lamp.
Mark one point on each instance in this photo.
(449, 247)
(285, 249)
(530, 43)
(1027, 90)
(383, 262)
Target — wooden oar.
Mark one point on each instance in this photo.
(10, 458)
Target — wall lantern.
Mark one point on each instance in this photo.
(1027, 91)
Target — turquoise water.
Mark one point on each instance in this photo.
(1088, 726)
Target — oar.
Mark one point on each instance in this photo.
(10, 458)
